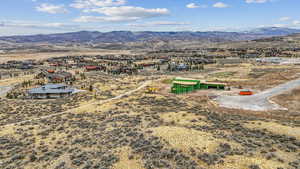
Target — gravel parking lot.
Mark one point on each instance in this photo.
(259, 101)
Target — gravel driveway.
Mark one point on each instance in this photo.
(260, 101)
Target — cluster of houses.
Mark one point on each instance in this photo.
(215, 53)
(55, 76)
(27, 64)
(112, 64)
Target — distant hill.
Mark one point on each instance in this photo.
(289, 41)
(147, 36)
(274, 31)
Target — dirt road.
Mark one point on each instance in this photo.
(86, 105)
(257, 102)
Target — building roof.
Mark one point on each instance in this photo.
(213, 83)
(182, 78)
(51, 89)
(59, 75)
(184, 83)
(54, 86)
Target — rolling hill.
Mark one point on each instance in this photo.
(96, 37)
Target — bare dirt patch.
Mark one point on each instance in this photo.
(290, 100)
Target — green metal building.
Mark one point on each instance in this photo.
(185, 85)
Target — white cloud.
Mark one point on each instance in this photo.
(296, 22)
(52, 9)
(159, 23)
(279, 25)
(37, 25)
(256, 1)
(193, 6)
(82, 4)
(286, 18)
(169, 23)
(220, 5)
(104, 19)
(122, 13)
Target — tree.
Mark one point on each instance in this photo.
(91, 88)
(82, 75)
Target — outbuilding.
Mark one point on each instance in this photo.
(186, 85)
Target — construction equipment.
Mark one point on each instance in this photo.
(151, 90)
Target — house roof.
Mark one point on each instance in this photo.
(54, 86)
(51, 89)
(59, 75)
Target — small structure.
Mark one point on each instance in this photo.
(92, 68)
(185, 85)
(246, 92)
(50, 91)
(212, 85)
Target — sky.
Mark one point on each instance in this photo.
(26, 17)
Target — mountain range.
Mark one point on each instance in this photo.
(148, 36)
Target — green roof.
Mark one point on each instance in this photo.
(184, 82)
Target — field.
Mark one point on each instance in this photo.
(25, 55)
(121, 126)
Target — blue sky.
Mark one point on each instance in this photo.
(56, 16)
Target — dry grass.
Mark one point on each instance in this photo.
(177, 135)
(275, 128)
(125, 162)
(15, 80)
(7, 130)
(185, 139)
(242, 162)
(183, 118)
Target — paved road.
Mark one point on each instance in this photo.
(86, 105)
(260, 101)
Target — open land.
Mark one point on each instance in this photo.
(116, 123)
